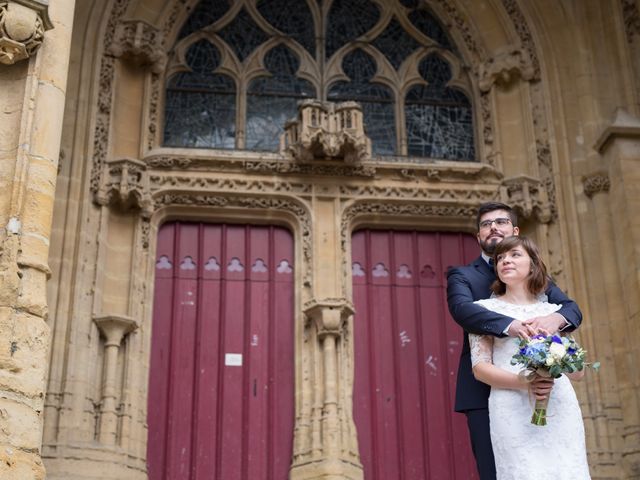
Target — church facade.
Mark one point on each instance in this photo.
(226, 226)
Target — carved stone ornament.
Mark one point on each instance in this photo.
(140, 42)
(327, 130)
(22, 27)
(596, 183)
(631, 17)
(329, 314)
(506, 66)
(125, 183)
(527, 196)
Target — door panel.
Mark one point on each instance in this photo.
(221, 375)
(407, 350)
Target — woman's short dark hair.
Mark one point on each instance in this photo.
(538, 278)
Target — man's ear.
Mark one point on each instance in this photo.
(516, 231)
(478, 237)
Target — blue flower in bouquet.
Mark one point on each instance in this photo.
(551, 355)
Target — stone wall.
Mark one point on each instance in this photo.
(547, 78)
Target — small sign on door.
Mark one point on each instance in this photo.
(233, 359)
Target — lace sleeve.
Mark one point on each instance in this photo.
(481, 349)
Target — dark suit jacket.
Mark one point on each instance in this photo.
(467, 284)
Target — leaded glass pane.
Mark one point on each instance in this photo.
(243, 35)
(291, 17)
(376, 100)
(440, 132)
(427, 24)
(395, 43)
(439, 119)
(206, 13)
(349, 19)
(271, 101)
(200, 105)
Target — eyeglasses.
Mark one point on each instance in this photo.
(500, 222)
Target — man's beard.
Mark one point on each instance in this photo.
(489, 245)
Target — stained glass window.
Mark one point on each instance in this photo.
(348, 20)
(291, 17)
(200, 104)
(206, 13)
(271, 101)
(376, 100)
(200, 108)
(243, 35)
(395, 43)
(439, 119)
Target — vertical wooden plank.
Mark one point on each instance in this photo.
(281, 381)
(159, 361)
(179, 438)
(206, 376)
(233, 355)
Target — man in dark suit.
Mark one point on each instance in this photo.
(472, 282)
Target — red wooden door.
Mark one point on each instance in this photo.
(407, 350)
(221, 374)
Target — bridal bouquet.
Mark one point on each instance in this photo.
(549, 356)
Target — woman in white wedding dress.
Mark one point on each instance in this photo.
(522, 450)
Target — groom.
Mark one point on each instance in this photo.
(466, 284)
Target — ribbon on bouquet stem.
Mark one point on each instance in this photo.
(539, 416)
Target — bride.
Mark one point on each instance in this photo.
(524, 451)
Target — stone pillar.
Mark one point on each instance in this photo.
(113, 328)
(325, 441)
(32, 95)
(619, 146)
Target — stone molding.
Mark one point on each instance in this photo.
(252, 162)
(596, 183)
(524, 33)
(165, 198)
(507, 64)
(398, 210)
(623, 125)
(22, 27)
(140, 42)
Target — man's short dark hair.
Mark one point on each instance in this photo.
(491, 206)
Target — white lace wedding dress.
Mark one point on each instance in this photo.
(524, 451)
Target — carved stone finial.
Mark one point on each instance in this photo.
(327, 130)
(124, 182)
(22, 27)
(140, 42)
(507, 65)
(595, 183)
(527, 196)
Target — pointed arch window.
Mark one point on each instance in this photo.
(238, 70)
(272, 99)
